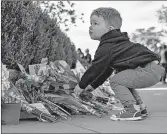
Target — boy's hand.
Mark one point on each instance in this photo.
(89, 88)
(77, 90)
(86, 95)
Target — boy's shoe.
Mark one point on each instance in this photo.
(142, 109)
(128, 114)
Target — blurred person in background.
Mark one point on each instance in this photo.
(81, 58)
(88, 57)
(80, 54)
(163, 54)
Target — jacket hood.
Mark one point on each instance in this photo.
(114, 36)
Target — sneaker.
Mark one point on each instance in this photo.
(141, 109)
(128, 114)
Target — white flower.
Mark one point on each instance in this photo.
(5, 73)
(4, 78)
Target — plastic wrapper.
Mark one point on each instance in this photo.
(55, 108)
(57, 73)
(73, 110)
(39, 114)
(88, 106)
(67, 101)
(61, 70)
(92, 111)
(66, 71)
(27, 89)
(50, 83)
(102, 105)
(79, 70)
(13, 92)
(11, 95)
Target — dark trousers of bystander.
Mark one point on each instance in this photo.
(165, 73)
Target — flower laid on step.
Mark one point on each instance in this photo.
(55, 108)
(43, 116)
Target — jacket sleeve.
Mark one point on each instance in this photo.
(102, 77)
(99, 64)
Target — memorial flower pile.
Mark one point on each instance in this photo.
(47, 93)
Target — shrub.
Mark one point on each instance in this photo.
(29, 34)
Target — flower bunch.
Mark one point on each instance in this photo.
(5, 81)
(7, 87)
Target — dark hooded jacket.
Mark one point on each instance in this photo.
(115, 52)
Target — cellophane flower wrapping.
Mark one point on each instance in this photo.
(52, 85)
(7, 88)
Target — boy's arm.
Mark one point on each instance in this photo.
(99, 64)
(102, 78)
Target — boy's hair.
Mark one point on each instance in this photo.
(111, 15)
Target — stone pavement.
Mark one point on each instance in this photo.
(155, 98)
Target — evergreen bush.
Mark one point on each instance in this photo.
(30, 34)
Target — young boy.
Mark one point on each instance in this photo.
(136, 66)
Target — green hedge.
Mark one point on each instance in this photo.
(29, 34)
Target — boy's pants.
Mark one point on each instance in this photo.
(125, 82)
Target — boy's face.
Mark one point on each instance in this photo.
(98, 27)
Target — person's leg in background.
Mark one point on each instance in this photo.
(165, 73)
(131, 79)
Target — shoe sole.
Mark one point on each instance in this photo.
(144, 115)
(126, 119)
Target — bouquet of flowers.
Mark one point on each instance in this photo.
(6, 87)
(50, 84)
(55, 108)
(43, 116)
(66, 101)
(14, 93)
(72, 103)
